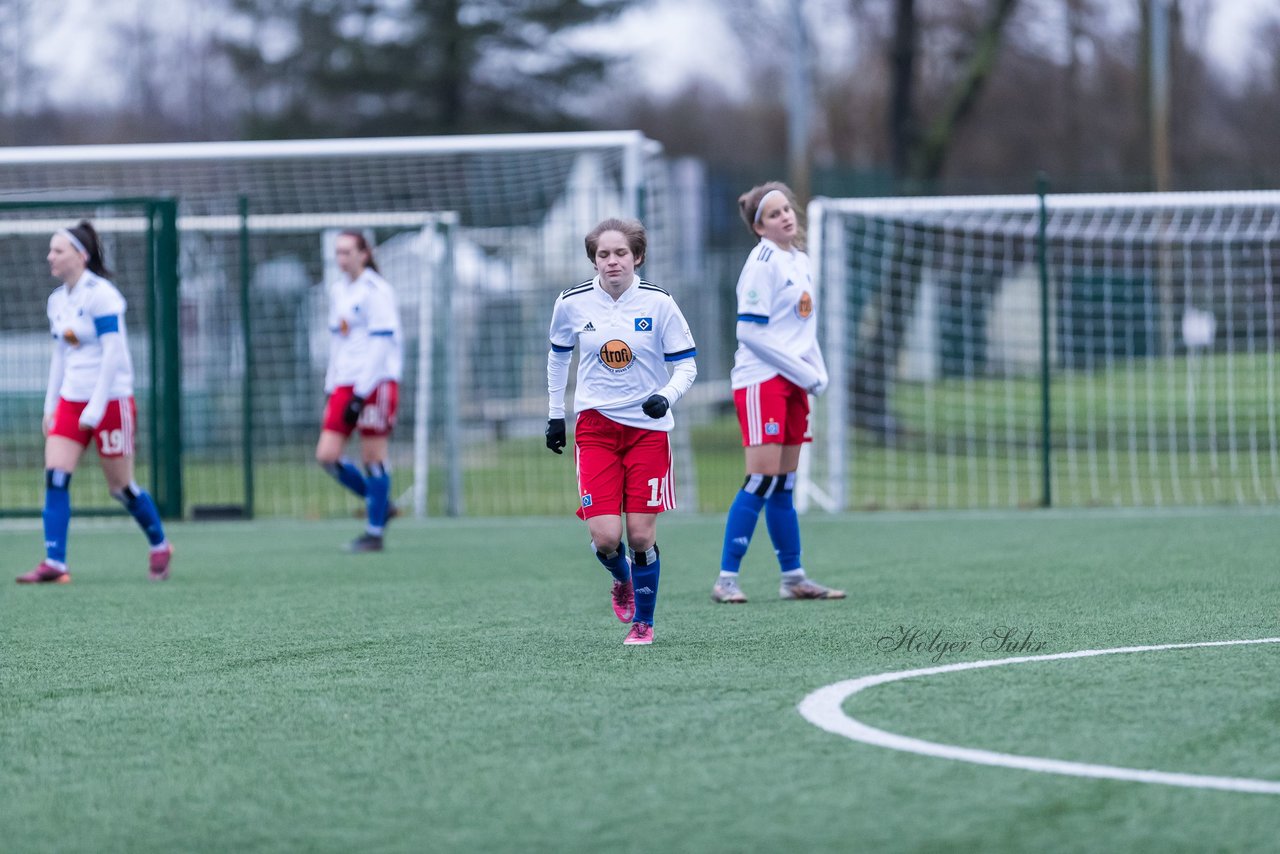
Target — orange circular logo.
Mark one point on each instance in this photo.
(804, 307)
(70, 337)
(616, 355)
(344, 328)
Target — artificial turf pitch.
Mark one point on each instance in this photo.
(467, 689)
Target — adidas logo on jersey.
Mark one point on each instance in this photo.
(590, 327)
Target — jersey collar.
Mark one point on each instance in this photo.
(84, 279)
(767, 242)
(630, 289)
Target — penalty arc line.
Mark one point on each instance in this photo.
(824, 709)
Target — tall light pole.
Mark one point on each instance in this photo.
(799, 105)
(1161, 162)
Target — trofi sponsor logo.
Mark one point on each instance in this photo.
(804, 308)
(616, 355)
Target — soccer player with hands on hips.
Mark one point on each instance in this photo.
(89, 399)
(776, 367)
(626, 330)
(362, 382)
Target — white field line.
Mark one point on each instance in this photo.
(824, 708)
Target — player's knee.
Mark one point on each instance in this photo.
(57, 479)
(762, 485)
(605, 544)
(126, 494)
(641, 543)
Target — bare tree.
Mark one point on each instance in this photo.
(18, 80)
(380, 67)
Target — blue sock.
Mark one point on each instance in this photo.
(783, 523)
(644, 575)
(140, 506)
(57, 514)
(345, 472)
(379, 498)
(616, 563)
(741, 523)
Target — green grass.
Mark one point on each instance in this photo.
(468, 690)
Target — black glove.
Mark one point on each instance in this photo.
(656, 406)
(351, 414)
(555, 435)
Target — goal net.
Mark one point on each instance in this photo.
(1067, 350)
(476, 234)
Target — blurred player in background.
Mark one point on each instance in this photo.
(626, 330)
(775, 369)
(362, 382)
(89, 399)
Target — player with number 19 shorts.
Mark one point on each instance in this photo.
(89, 399)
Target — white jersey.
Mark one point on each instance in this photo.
(776, 291)
(364, 334)
(623, 345)
(78, 318)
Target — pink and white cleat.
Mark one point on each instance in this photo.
(624, 600)
(160, 562)
(45, 573)
(641, 634)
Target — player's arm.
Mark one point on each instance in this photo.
(819, 364)
(558, 358)
(335, 341)
(113, 356)
(755, 337)
(679, 351)
(383, 323)
(57, 368)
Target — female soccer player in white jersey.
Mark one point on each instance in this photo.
(626, 331)
(362, 382)
(89, 398)
(775, 369)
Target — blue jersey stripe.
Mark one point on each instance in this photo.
(107, 323)
(561, 349)
(753, 318)
(682, 354)
(383, 332)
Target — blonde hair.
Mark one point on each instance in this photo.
(749, 205)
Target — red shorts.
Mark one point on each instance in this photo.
(774, 412)
(378, 418)
(114, 433)
(621, 469)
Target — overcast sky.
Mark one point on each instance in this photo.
(673, 40)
